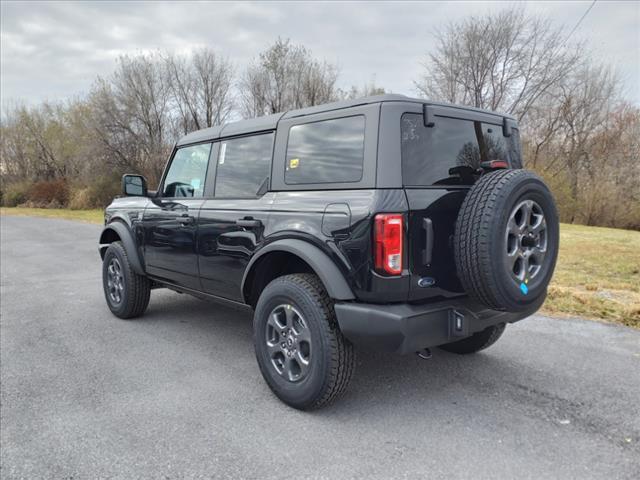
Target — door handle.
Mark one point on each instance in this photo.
(248, 222)
(427, 253)
(186, 219)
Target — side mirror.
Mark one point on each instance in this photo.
(134, 185)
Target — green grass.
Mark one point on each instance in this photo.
(90, 216)
(597, 276)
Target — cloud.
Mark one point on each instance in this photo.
(55, 50)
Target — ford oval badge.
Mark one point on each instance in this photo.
(426, 282)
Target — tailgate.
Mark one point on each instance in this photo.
(432, 217)
(443, 154)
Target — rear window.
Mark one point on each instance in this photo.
(329, 151)
(450, 152)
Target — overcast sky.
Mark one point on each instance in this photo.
(54, 50)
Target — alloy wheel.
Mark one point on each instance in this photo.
(115, 281)
(288, 341)
(526, 242)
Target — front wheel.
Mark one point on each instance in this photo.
(126, 292)
(301, 352)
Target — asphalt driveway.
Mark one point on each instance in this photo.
(177, 393)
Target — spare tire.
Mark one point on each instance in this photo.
(506, 240)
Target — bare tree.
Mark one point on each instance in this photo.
(284, 77)
(15, 147)
(43, 142)
(367, 90)
(504, 61)
(576, 129)
(608, 191)
(201, 88)
(569, 107)
(577, 140)
(588, 100)
(132, 116)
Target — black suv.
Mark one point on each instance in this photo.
(387, 222)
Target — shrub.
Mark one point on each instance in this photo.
(80, 199)
(97, 194)
(49, 193)
(14, 194)
(559, 186)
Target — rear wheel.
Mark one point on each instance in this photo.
(476, 342)
(126, 292)
(301, 352)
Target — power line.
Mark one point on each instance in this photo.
(580, 21)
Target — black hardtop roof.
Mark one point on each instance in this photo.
(270, 122)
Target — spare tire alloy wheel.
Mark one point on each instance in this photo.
(526, 243)
(288, 341)
(506, 241)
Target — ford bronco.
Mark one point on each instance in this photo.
(387, 222)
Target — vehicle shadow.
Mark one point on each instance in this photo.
(381, 381)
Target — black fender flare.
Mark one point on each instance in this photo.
(332, 278)
(126, 237)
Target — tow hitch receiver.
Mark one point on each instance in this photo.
(458, 325)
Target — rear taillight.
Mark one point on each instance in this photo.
(494, 165)
(388, 239)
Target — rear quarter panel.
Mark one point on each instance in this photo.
(347, 240)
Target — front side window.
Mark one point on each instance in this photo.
(329, 151)
(187, 172)
(450, 152)
(244, 164)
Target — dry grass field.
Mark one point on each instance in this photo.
(90, 216)
(597, 276)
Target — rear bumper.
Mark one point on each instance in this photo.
(405, 328)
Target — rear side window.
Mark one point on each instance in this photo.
(515, 154)
(187, 172)
(244, 164)
(451, 151)
(329, 151)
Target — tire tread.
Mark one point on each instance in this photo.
(473, 231)
(341, 353)
(139, 287)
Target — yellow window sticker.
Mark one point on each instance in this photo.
(294, 163)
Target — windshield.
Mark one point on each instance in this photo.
(450, 152)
